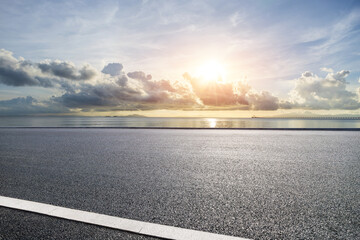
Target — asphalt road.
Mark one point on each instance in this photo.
(246, 183)
(22, 225)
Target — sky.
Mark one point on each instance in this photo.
(180, 58)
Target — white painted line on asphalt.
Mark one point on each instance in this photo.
(139, 227)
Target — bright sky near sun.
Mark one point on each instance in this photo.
(93, 57)
(211, 71)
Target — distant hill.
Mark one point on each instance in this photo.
(312, 116)
(134, 116)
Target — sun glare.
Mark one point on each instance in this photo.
(211, 71)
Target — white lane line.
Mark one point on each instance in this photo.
(144, 228)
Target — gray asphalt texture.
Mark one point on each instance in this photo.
(246, 183)
(22, 225)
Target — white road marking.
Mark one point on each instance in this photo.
(139, 227)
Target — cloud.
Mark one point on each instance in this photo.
(114, 69)
(329, 70)
(104, 95)
(138, 92)
(338, 38)
(29, 105)
(67, 70)
(314, 92)
(117, 90)
(122, 81)
(224, 94)
(151, 86)
(263, 101)
(212, 93)
(236, 19)
(18, 72)
(138, 75)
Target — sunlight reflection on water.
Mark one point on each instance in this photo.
(212, 122)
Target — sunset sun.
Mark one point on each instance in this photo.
(211, 71)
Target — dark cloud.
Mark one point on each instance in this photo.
(284, 104)
(138, 93)
(138, 75)
(105, 95)
(29, 105)
(122, 81)
(18, 101)
(17, 72)
(67, 70)
(111, 91)
(151, 86)
(307, 74)
(263, 101)
(114, 69)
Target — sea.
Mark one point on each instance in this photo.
(168, 122)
